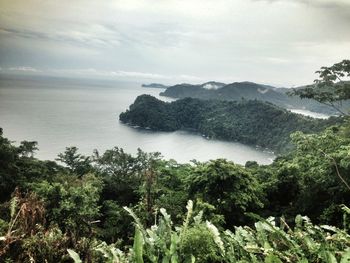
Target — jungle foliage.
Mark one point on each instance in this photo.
(117, 207)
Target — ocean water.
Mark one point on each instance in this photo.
(84, 113)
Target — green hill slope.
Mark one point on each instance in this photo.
(249, 122)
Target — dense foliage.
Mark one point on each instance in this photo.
(53, 213)
(115, 207)
(199, 241)
(249, 122)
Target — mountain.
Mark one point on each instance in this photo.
(238, 91)
(251, 122)
(202, 91)
(154, 85)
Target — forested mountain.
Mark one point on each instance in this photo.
(246, 90)
(250, 122)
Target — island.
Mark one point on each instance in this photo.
(154, 85)
(251, 122)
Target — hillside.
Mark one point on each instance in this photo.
(250, 122)
(246, 90)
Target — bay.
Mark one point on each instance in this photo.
(59, 112)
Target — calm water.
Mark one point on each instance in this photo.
(59, 113)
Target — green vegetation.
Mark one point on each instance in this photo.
(199, 241)
(249, 122)
(115, 207)
(83, 210)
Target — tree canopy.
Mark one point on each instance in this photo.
(251, 122)
(331, 88)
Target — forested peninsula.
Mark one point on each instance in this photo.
(251, 122)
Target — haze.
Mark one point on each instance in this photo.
(169, 41)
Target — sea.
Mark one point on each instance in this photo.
(63, 112)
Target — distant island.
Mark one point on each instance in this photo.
(154, 85)
(238, 91)
(251, 122)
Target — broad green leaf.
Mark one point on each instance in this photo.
(138, 246)
(328, 257)
(345, 257)
(271, 258)
(74, 255)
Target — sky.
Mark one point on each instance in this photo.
(277, 42)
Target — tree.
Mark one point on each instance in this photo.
(323, 164)
(77, 163)
(229, 187)
(73, 203)
(28, 148)
(332, 87)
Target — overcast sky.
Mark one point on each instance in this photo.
(280, 42)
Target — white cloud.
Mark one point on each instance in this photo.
(110, 74)
(25, 69)
(211, 86)
(138, 75)
(190, 78)
(276, 41)
(92, 72)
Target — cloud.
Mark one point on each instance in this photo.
(110, 74)
(276, 41)
(138, 75)
(323, 3)
(24, 69)
(96, 36)
(340, 6)
(190, 78)
(92, 72)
